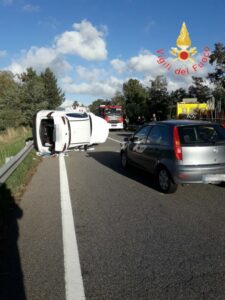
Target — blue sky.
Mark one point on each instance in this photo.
(94, 46)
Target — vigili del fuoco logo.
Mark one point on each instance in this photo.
(183, 54)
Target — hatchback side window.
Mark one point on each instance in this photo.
(159, 135)
(142, 134)
(165, 134)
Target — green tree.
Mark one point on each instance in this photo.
(20, 100)
(33, 95)
(178, 95)
(10, 112)
(135, 99)
(118, 99)
(75, 104)
(53, 94)
(217, 59)
(96, 103)
(199, 90)
(159, 101)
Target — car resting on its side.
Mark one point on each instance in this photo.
(178, 152)
(58, 131)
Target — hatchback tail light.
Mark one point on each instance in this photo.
(176, 144)
(107, 118)
(121, 119)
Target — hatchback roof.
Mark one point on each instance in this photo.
(181, 122)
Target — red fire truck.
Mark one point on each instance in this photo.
(113, 114)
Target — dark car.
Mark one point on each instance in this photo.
(178, 152)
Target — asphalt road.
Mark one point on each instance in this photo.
(134, 242)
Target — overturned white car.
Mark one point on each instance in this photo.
(58, 131)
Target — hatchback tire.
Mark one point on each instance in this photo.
(165, 182)
(124, 161)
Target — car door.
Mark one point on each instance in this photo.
(137, 145)
(157, 147)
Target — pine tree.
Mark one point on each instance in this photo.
(32, 95)
(53, 94)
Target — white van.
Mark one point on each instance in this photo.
(58, 131)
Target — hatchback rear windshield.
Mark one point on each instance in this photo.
(201, 134)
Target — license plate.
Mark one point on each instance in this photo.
(210, 178)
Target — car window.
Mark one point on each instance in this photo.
(159, 135)
(77, 115)
(201, 134)
(142, 134)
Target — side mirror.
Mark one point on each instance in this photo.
(126, 139)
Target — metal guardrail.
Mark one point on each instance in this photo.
(7, 169)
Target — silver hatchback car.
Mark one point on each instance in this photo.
(178, 152)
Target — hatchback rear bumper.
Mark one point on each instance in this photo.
(199, 174)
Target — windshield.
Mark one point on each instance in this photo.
(113, 111)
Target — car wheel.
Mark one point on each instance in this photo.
(165, 182)
(221, 184)
(124, 162)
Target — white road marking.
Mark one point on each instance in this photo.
(73, 278)
(114, 140)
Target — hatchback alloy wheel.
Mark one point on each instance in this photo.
(165, 182)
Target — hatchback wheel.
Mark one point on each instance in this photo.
(165, 182)
(124, 161)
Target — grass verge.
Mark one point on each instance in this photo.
(12, 141)
(18, 181)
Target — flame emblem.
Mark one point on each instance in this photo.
(183, 42)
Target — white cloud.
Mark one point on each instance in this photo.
(146, 62)
(178, 76)
(88, 43)
(90, 74)
(31, 8)
(172, 85)
(102, 89)
(119, 65)
(85, 41)
(67, 80)
(39, 59)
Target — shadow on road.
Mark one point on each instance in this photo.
(11, 275)
(112, 161)
(128, 134)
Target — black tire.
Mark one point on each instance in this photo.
(165, 182)
(221, 184)
(124, 161)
